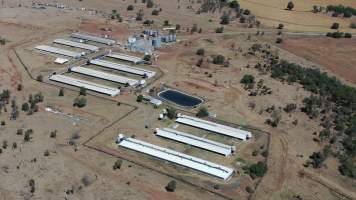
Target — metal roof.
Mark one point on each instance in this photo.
(76, 44)
(59, 51)
(195, 163)
(104, 75)
(214, 127)
(125, 57)
(84, 36)
(195, 141)
(86, 84)
(121, 67)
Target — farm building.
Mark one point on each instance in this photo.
(59, 51)
(87, 37)
(76, 44)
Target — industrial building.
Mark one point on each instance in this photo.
(85, 84)
(125, 68)
(193, 140)
(59, 51)
(105, 76)
(191, 162)
(87, 37)
(125, 57)
(214, 127)
(77, 44)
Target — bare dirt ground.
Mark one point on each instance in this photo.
(336, 56)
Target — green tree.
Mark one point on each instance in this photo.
(219, 59)
(200, 52)
(203, 112)
(139, 98)
(335, 26)
(80, 102)
(61, 92)
(171, 186)
(290, 5)
(83, 91)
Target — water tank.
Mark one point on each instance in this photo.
(174, 38)
(156, 43)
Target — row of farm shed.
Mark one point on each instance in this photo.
(185, 160)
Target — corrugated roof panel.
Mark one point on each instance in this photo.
(85, 84)
(195, 163)
(121, 67)
(214, 127)
(125, 57)
(59, 51)
(195, 141)
(104, 75)
(84, 36)
(76, 44)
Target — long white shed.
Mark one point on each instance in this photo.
(124, 68)
(76, 44)
(214, 127)
(88, 37)
(125, 57)
(193, 140)
(85, 84)
(59, 51)
(191, 162)
(104, 75)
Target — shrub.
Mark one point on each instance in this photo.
(257, 170)
(155, 12)
(83, 91)
(225, 19)
(200, 52)
(80, 102)
(203, 112)
(130, 7)
(147, 58)
(61, 92)
(348, 35)
(219, 59)
(139, 98)
(39, 78)
(279, 40)
(280, 26)
(249, 189)
(247, 12)
(25, 107)
(335, 26)
(117, 164)
(290, 5)
(219, 30)
(171, 113)
(234, 4)
(171, 186)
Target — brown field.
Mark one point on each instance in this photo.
(272, 13)
(336, 56)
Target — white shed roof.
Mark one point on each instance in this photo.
(59, 51)
(121, 67)
(104, 75)
(76, 44)
(61, 60)
(195, 163)
(86, 84)
(84, 36)
(125, 57)
(193, 140)
(214, 127)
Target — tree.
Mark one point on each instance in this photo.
(80, 102)
(39, 78)
(25, 107)
(290, 5)
(149, 4)
(130, 7)
(117, 164)
(166, 23)
(225, 19)
(219, 29)
(83, 91)
(155, 12)
(219, 59)
(53, 134)
(200, 52)
(203, 112)
(258, 169)
(147, 58)
(171, 186)
(171, 113)
(139, 98)
(31, 183)
(279, 40)
(234, 4)
(139, 15)
(280, 26)
(335, 26)
(247, 79)
(61, 92)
